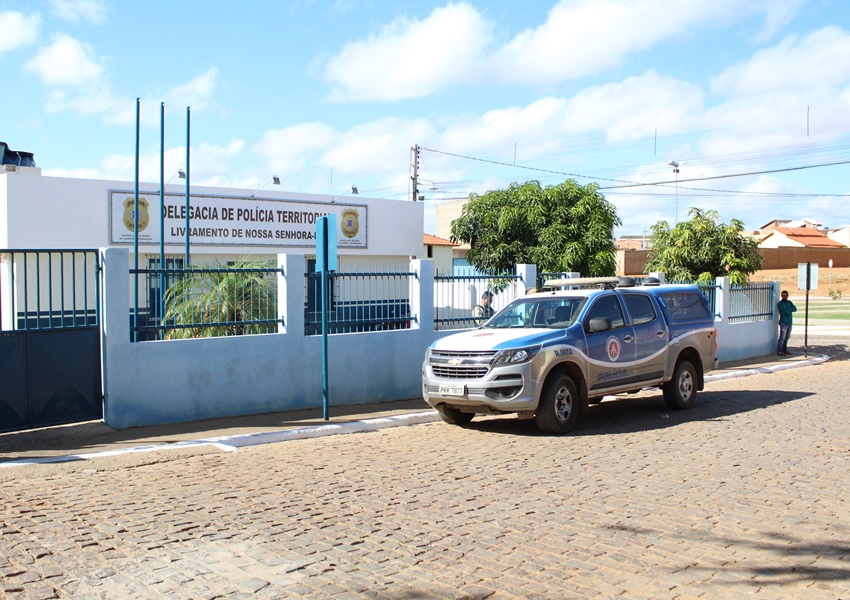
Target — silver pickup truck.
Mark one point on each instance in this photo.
(547, 356)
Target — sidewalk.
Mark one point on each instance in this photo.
(93, 439)
(823, 327)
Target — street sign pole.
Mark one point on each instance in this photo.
(807, 279)
(806, 326)
(325, 263)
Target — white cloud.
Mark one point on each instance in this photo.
(65, 63)
(289, 150)
(208, 163)
(17, 29)
(94, 101)
(77, 10)
(796, 66)
(98, 99)
(796, 89)
(196, 92)
(633, 108)
(375, 152)
(453, 45)
(411, 58)
(621, 111)
(582, 37)
(379, 142)
(776, 16)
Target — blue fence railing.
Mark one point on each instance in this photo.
(207, 301)
(709, 290)
(373, 298)
(457, 296)
(49, 289)
(751, 302)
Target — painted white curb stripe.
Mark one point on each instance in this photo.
(234, 442)
(815, 360)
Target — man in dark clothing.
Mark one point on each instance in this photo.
(482, 312)
(786, 310)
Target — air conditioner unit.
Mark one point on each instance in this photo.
(10, 168)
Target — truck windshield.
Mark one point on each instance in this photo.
(551, 313)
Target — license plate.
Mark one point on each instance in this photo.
(453, 390)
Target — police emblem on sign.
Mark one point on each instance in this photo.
(350, 224)
(613, 348)
(144, 219)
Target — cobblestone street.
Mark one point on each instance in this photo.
(745, 495)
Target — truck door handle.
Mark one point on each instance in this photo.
(627, 338)
(661, 333)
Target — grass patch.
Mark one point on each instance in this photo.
(800, 315)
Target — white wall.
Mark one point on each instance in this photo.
(842, 236)
(441, 255)
(739, 341)
(188, 380)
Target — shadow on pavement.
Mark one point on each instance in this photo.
(647, 413)
(785, 546)
(837, 350)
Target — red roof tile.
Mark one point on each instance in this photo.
(433, 240)
(811, 238)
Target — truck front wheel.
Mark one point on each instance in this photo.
(681, 391)
(559, 405)
(453, 416)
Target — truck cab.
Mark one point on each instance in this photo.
(547, 356)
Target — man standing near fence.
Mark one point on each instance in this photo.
(786, 310)
(483, 311)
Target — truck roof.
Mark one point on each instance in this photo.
(586, 291)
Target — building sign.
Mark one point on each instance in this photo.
(231, 221)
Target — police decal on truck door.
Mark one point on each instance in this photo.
(650, 336)
(610, 352)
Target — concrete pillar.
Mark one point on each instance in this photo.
(421, 294)
(115, 317)
(291, 293)
(7, 268)
(527, 279)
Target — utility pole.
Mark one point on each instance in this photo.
(414, 173)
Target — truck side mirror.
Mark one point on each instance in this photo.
(598, 324)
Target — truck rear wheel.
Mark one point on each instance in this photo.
(559, 405)
(453, 416)
(681, 391)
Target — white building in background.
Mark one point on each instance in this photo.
(440, 251)
(224, 223)
(841, 235)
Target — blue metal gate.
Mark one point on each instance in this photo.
(50, 365)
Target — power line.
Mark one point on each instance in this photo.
(730, 176)
(631, 184)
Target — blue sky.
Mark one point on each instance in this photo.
(329, 94)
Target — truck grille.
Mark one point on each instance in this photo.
(461, 365)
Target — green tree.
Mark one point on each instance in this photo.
(564, 227)
(703, 248)
(239, 297)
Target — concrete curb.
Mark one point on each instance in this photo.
(233, 442)
(771, 369)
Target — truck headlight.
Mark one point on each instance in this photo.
(515, 356)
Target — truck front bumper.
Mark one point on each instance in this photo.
(504, 389)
